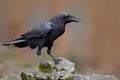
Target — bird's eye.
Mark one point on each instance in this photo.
(65, 17)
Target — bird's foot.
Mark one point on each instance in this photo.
(56, 60)
(44, 64)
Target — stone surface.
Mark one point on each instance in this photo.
(62, 71)
(93, 77)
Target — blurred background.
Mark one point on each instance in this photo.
(93, 44)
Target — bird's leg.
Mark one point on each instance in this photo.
(41, 59)
(49, 52)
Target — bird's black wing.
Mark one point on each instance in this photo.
(38, 32)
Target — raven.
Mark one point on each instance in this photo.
(44, 34)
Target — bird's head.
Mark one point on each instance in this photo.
(66, 18)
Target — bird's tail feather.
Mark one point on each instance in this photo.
(20, 42)
(13, 42)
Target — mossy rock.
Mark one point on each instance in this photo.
(45, 69)
(70, 78)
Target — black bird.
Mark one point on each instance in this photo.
(44, 34)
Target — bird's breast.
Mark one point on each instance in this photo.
(55, 33)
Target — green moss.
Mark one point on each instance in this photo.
(45, 69)
(70, 78)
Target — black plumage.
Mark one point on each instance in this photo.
(44, 34)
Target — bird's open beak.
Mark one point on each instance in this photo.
(74, 19)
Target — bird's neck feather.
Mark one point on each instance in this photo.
(57, 21)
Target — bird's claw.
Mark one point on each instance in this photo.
(46, 65)
(56, 60)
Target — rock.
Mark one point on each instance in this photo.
(93, 77)
(64, 70)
